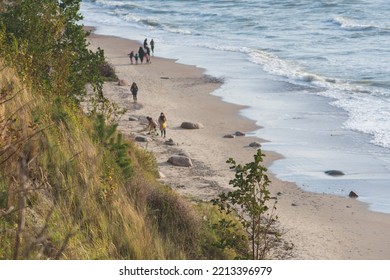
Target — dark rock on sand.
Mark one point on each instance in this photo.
(178, 160)
(255, 145)
(170, 142)
(229, 136)
(191, 125)
(141, 138)
(239, 133)
(352, 194)
(334, 173)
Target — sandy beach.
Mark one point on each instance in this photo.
(320, 226)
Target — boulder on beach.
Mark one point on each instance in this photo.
(191, 125)
(255, 145)
(179, 160)
(169, 142)
(352, 194)
(133, 119)
(239, 133)
(334, 173)
(141, 138)
(229, 136)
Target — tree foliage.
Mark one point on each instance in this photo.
(46, 43)
(250, 201)
(108, 136)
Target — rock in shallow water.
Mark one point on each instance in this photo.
(239, 133)
(334, 173)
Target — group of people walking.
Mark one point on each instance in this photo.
(144, 52)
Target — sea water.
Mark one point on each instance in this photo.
(313, 74)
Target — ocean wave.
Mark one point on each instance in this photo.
(351, 24)
(115, 4)
(334, 88)
(150, 22)
(290, 70)
(368, 108)
(176, 30)
(368, 115)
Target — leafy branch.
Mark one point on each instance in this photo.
(250, 202)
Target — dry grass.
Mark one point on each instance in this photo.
(75, 202)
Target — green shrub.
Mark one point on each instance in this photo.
(108, 72)
(250, 202)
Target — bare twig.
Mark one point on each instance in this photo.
(23, 141)
(9, 99)
(64, 245)
(9, 118)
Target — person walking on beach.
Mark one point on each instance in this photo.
(136, 58)
(145, 43)
(141, 54)
(131, 55)
(134, 91)
(162, 121)
(152, 46)
(147, 55)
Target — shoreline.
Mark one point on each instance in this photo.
(321, 226)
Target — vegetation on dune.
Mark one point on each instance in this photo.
(253, 207)
(71, 185)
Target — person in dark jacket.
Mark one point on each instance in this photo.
(152, 46)
(131, 56)
(134, 91)
(147, 55)
(141, 54)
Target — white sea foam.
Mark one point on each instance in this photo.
(351, 24)
(368, 115)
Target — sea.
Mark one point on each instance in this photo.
(315, 75)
